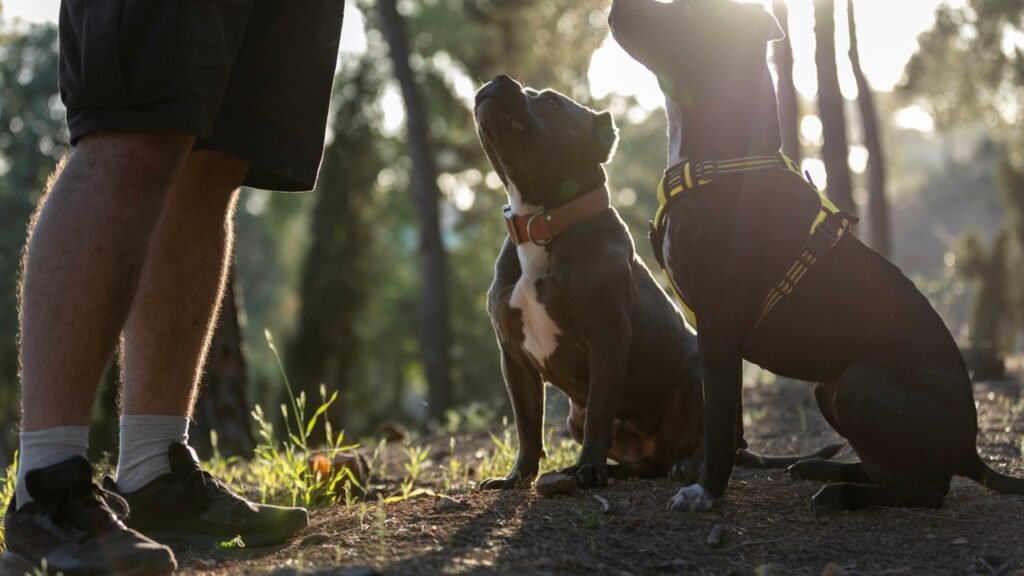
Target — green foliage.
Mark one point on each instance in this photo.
(286, 471)
(7, 492)
(969, 64)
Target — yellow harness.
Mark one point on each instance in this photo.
(826, 230)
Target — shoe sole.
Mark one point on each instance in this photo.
(183, 540)
(12, 564)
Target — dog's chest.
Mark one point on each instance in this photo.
(540, 333)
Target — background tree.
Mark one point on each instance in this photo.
(335, 284)
(434, 326)
(878, 203)
(969, 71)
(789, 102)
(835, 150)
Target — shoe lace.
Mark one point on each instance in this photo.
(86, 509)
(202, 482)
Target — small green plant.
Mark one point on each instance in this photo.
(500, 459)
(380, 526)
(591, 519)
(456, 474)
(413, 468)
(7, 492)
(560, 454)
(287, 471)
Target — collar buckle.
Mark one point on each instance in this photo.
(529, 229)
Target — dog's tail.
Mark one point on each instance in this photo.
(749, 459)
(981, 473)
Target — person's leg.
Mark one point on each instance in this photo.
(87, 246)
(84, 255)
(166, 338)
(171, 322)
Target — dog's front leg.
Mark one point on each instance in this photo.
(526, 390)
(609, 352)
(723, 384)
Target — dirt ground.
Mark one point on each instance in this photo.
(768, 525)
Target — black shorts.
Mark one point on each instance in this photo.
(249, 77)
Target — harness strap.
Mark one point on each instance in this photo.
(827, 229)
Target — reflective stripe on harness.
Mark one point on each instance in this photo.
(827, 229)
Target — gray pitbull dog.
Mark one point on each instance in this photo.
(572, 305)
(775, 276)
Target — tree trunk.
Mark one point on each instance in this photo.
(335, 279)
(789, 104)
(834, 152)
(878, 204)
(434, 329)
(222, 405)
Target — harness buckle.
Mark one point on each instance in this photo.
(829, 231)
(529, 229)
(707, 171)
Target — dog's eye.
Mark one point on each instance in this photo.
(551, 100)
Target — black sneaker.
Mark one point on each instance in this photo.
(189, 508)
(74, 527)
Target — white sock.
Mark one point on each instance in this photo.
(42, 448)
(144, 444)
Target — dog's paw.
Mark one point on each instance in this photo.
(588, 476)
(828, 498)
(513, 480)
(692, 498)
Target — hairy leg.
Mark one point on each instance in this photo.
(171, 322)
(85, 254)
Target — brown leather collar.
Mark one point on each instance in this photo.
(542, 227)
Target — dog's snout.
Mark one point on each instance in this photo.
(501, 78)
(502, 83)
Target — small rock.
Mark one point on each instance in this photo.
(204, 563)
(715, 536)
(315, 540)
(959, 541)
(446, 504)
(768, 570)
(989, 564)
(833, 570)
(553, 483)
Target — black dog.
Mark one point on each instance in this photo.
(816, 305)
(573, 305)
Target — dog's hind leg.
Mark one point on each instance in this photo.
(750, 459)
(828, 471)
(909, 428)
(847, 496)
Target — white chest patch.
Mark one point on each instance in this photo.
(539, 330)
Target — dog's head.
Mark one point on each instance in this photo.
(699, 49)
(544, 146)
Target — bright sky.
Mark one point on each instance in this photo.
(888, 31)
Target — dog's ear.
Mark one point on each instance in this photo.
(764, 25)
(606, 136)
